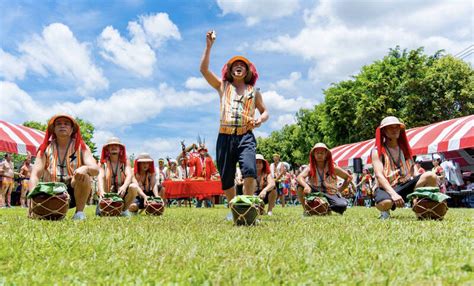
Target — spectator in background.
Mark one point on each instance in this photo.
(173, 173)
(277, 168)
(418, 167)
(25, 173)
(439, 171)
(161, 173)
(8, 184)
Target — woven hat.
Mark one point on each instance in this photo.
(76, 133)
(391, 120)
(319, 146)
(144, 157)
(105, 151)
(252, 74)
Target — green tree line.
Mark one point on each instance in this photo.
(419, 89)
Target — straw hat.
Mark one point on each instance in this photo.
(105, 151)
(144, 157)
(391, 120)
(252, 74)
(319, 146)
(51, 121)
(113, 141)
(266, 167)
(79, 142)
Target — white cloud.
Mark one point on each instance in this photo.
(11, 67)
(277, 102)
(255, 11)
(123, 108)
(57, 51)
(196, 83)
(159, 147)
(100, 138)
(137, 54)
(282, 120)
(288, 83)
(17, 106)
(338, 40)
(159, 28)
(259, 133)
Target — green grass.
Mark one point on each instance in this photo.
(196, 246)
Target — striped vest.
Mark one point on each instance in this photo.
(109, 176)
(54, 172)
(328, 185)
(236, 111)
(145, 182)
(392, 173)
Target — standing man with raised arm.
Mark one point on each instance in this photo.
(238, 100)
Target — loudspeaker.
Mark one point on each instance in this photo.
(357, 165)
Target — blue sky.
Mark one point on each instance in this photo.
(131, 67)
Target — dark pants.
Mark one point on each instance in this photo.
(231, 149)
(403, 190)
(337, 203)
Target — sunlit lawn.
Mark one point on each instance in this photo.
(197, 246)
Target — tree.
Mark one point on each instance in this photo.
(417, 88)
(35, 125)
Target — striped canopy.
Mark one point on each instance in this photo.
(443, 137)
(19, 139)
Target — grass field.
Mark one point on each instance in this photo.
(197, 246)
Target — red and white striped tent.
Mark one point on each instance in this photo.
(449, 137)
(19, 139)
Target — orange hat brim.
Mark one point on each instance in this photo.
(55, 117)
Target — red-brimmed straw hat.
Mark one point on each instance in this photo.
(252, 74)
(391, 120)
(266, 168)
(402, 140)
(312, 161)
(144, 158)
(76, 133)
(105, 151)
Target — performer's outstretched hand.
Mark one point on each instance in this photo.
(210, 38)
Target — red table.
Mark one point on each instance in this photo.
(191, 189)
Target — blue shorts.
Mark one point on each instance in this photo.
(231, 149)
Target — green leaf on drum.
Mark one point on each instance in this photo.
(49, 188)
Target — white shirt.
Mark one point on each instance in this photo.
(272, 169)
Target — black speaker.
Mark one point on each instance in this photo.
(357, 165)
